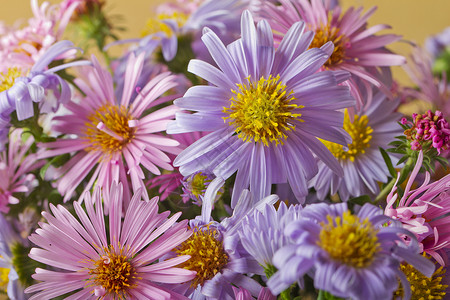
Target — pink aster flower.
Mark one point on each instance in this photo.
(424, 212)
(357, 49)
(22, 47)
(15, 168)
(122, 262)
(114, 139)
(429, 88)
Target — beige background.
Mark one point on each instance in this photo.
(413, 19)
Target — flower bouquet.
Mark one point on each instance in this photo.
(238, 149)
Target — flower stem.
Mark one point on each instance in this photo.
(406, 170)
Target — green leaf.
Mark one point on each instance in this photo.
(361, 200)
(388, 162)
(56, 161)
(402, 160)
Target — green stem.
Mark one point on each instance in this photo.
(406, 170)
(321, 295)
(286, 294)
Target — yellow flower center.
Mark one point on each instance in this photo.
(115, 273)
(361, 136)
(422, 287)
(207, 254)
(155, 25)
(4, 279)
(109, 130)
(198, 184)
(326, 34)
(7, 80)
(349, 240)
(262, 111)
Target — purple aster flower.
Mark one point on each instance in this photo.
(168, 183)
(19, 91)
(373, 126)
(349, 255)
(8, 274)
(216, 252)
(195, 185)
(436, 44)
(185, 17)
(243, 294)
(262, 232)
(120, 262)
(266, 109)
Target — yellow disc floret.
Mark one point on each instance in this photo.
(7, 80)
(108, 129)
(4, 278)
(262, 111)
(349, 240)
(422, 287)
(361, 135)
(114, 272)
(330, 34)
(208, 256)
(155, 25)
(198, 184)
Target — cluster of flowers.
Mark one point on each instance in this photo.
(239, 149)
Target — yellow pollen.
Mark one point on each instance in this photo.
(326, 34)
(361, 137)
(115, 273)
(198, 184)
(207, 254)
(422, 287)
(262, 111)
(349, 240)
(116, 133)
(4, 277)
(7, 80)
(155, 25)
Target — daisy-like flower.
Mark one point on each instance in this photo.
(216, 253)
(186, 17)
(431, 89)
(262, 235)
(266, 109)
(374, 125)
(23, 47)
(18, 92)
(350, 255)
(169, 183)
(9, 279)
(438, 43)
(424, 212)
(356, 47)
(15, 167)
(114, 138)
(118, 263)
(433, 287)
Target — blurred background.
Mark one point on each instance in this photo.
(413, 19)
